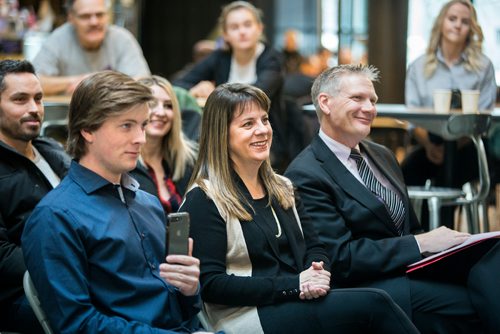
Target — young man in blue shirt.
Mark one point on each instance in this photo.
(95, 246)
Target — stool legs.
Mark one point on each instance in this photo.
(434, 204)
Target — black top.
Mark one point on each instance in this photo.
(22, 186)
(264, 217)
(275, 262)
(147, 183)
(216, 67)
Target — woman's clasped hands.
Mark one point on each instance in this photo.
(314, 281)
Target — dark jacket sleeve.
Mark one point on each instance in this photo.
(22, 186)
(270, 72)
(12, 266)
(216, 67)
(204, 70)
(208, 231)
(315, 249)
(359, 248)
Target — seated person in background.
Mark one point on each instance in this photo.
(95, 246)
(167, 157)
(30, 167)
(453, 61)
(87, 44)
(354, 192)
(201, 50)
(246, 60)
(297, 85)
(186, 100)
(263, 269)
(316, 63)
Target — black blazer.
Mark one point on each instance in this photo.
(270, 78)
(360, 237)
(22, 186)
(271, 279)
(217, 65)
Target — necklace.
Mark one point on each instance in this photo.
(277, 223)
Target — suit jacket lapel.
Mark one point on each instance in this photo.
(292, 232)
(285, 226)
(283, 218)
(223, 68)
(340, 175)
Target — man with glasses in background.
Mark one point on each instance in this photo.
(87, 43)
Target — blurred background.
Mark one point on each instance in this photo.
(386, 33)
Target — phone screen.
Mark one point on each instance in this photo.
(177, 239)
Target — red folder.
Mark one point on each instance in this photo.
(468, 251)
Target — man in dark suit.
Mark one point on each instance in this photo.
(371, 234)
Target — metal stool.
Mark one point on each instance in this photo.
(459, 125)
(467, 197)
(436, 198)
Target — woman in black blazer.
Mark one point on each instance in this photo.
(245, 59)
(263, 269)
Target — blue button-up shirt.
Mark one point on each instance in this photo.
(93, 250)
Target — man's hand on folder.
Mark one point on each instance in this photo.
(440, 239)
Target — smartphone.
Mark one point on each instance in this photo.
(177, 239)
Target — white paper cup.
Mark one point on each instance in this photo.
(470, 101)
(442, 100)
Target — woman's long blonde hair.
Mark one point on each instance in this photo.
(214, 163)
(473, 44)
(178, 151)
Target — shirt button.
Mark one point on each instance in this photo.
(143, 235)
(152, 266)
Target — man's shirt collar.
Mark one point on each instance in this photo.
(90, 181)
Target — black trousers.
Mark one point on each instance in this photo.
(460, 295)
(362, 310)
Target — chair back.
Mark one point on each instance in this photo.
(204, 321)
(32, 296)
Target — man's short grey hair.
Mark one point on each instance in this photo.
(68, 5)
(329, 80)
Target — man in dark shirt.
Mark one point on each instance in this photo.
(29, 168)
(95, 246)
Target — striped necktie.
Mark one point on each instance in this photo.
(392, 201)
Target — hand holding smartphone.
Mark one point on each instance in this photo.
(177, 238)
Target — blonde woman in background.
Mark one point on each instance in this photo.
(453, 60)
(168, 156)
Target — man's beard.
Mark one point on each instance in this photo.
(16, 132)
